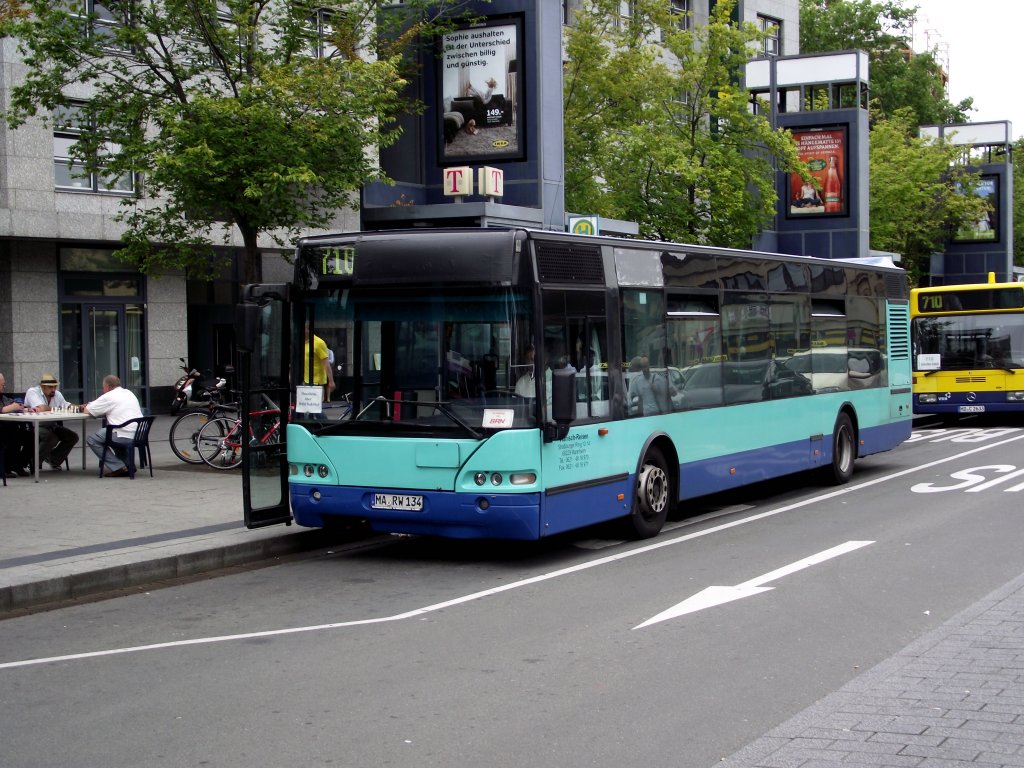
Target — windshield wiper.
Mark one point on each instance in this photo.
(443, 408)
(436, 405)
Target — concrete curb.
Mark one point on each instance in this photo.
(94, 582)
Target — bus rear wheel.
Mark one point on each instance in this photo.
(653, 497)
(844, 450)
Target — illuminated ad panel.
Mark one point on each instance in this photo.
(824, 151)
(987, 227)
(481, 92)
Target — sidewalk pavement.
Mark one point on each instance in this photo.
(952, 699)
(74, 534)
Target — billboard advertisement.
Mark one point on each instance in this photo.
(824, 151)
(987, 227)
(481, 92)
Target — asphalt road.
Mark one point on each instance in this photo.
(415, 652)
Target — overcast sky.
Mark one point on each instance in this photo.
(981, 44)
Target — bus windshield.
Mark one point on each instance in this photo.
(969, 342)
(437, 361)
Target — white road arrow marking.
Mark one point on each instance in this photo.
(712, 596)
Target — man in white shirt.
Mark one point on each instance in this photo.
(525, 386)
(55, 440)
(118, 405)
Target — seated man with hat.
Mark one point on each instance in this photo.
(55, 440)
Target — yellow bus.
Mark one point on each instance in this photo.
(968, 348)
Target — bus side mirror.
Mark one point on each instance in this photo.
(247, 326)
(563, 404)
(563, 396)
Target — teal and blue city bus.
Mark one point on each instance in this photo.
(509, 383)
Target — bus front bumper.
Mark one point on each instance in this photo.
(439, 513)
(953, 403)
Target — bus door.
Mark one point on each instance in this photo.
(262, 324)
(581, 470)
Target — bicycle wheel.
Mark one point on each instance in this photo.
(184, 435)
(218, 443)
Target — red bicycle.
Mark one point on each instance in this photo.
(220, 440)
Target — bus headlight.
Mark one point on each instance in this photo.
(931, 398)
(1015, 397)
(496, 478)
(322, 470)
(307, 470)
(522, 478)
(479, 478)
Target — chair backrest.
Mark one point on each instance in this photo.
(142, 430)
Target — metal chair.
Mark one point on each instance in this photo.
(139, 441)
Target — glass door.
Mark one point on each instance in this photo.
(102, 346)
(99, 339)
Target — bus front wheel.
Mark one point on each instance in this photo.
(844, 450)
(653, 496)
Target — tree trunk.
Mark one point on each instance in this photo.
(250, 270)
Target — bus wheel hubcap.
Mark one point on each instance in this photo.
(652, 490)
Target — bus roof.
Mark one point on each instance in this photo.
(500, 256)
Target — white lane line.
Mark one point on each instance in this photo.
(846, 489)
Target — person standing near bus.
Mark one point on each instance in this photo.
(55, 440)
(645, 388)
(322, 373)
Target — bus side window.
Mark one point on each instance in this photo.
(597, 368)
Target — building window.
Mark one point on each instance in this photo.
(625, 14)
(71, 123)
(321, 31)
(680, 10)
(99, 21)
(224, 15)
(771, 44)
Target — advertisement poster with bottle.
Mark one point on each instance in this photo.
(824, 151)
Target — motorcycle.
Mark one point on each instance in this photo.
(189, 384)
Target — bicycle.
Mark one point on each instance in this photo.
(184, 433)
(340, 410)
(219, 442)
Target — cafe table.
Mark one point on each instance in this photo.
(47, 417)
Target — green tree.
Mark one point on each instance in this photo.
(900, 78)
(659, 131)
(11, 9)
(265, 116)
(916, 192)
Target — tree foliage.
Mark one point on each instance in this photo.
(11, 9)
(658, 129)
(917, 192)
(899, 78)
(264, 115)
